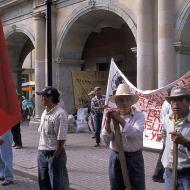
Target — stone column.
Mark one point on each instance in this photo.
(64, 80)
(40, 36)
(145, 48)
(166, 53)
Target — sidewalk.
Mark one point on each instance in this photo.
(87, 165)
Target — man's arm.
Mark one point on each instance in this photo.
(59, 148)
(1, 140)
(62, 125)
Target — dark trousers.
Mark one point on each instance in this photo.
(135, 165)
(16, 135)
(98, 125)
(159, 170)
(52, 172)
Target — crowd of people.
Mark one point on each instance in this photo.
(122, 130)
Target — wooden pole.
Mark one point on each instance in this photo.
(122, 159)
(174, 167)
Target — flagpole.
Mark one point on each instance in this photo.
(49, 42)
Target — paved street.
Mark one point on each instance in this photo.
(21, 183)
(87, 166)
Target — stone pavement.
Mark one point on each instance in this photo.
(87, 165)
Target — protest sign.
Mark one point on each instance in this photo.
(84, 82)
(150, 103)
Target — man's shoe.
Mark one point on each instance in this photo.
(2, 178)
(5, 183)
(13, 145)
(159, 180)
(97, 145)
(18, 147)
(93, 137)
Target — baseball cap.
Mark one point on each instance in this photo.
(91, 93)
(49, 91)
(97, 88)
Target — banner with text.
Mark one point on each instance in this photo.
(84, 82)
(150, 103)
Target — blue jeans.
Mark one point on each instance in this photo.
(135, 166)
(183, 180)
(52, 172)
(97, 125)
(6, 157)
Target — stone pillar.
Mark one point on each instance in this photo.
(40, 36)
(64, 80)
(166, 53)
(16, 73)
(145, 48)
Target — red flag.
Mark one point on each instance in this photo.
(9, 104)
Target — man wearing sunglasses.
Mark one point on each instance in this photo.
(176, 126)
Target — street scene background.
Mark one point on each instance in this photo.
(87, 165)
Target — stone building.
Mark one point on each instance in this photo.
(149, 39)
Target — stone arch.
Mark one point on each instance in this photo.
(182, 39)
(86, 7)
(20, 42)
(20, 28)
(182, 17)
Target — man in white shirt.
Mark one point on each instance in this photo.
(131, 125)
(176, 128)
(52, 171)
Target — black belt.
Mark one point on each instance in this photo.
(99, 113)
(131, 154)
(184, 171)
(47, 152)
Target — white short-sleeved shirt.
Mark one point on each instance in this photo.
(53, 127)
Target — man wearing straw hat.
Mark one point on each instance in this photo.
(130, 124)
(176, 126)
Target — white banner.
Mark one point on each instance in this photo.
(149, 103)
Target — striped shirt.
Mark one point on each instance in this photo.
(183, 153)
(132, 133)
(53, 127)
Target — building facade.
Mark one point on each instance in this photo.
(149, 40)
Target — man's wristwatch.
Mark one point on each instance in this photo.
(187, 145)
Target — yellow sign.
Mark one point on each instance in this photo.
(27, 88)
(84, 82)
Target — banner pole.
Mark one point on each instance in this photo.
(122, 158)
(174, 167)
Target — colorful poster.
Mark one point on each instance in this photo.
(150, 103)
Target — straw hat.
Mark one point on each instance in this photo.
(177, 92)
(123, 90)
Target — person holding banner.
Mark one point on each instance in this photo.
(159, 170)
(97, 107)
(130, 124)
(176, 126)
